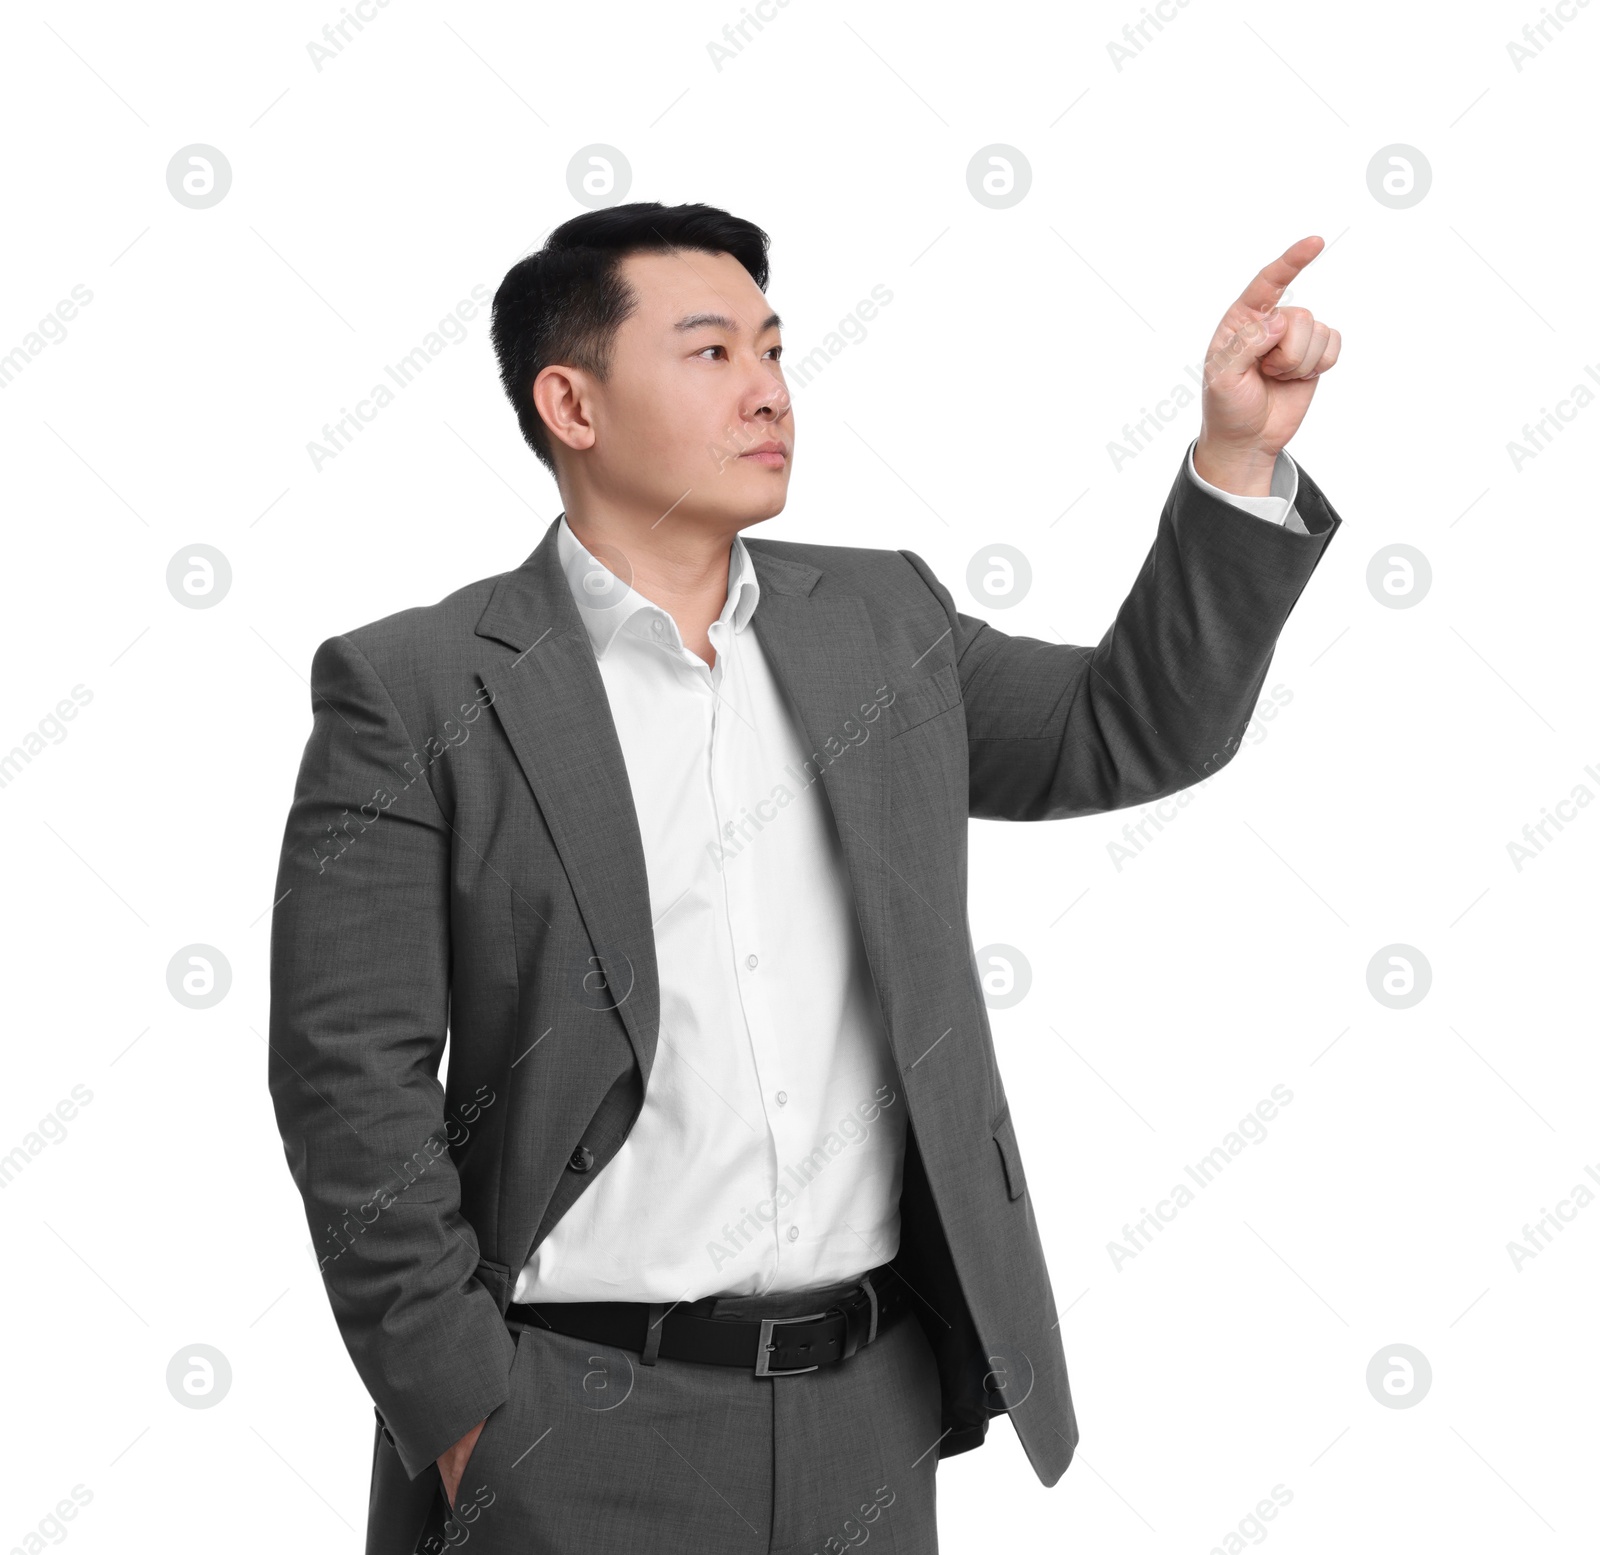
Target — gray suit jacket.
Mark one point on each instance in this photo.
(462, 852)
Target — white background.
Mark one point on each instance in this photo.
(1168, 998)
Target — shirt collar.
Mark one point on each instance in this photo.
(608, 606)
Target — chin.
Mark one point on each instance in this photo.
(770, 503)
(764, 496)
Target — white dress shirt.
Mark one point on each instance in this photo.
(768, 1153)
(1279, 508)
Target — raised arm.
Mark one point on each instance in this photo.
(1164, 698)
(1056, 730)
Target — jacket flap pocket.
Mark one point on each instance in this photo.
(916, 701)
(1010, 1158)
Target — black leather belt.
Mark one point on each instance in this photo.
(768, 1346)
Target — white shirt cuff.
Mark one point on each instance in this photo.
(1275, 509)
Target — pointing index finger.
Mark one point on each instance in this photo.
(1273, 279)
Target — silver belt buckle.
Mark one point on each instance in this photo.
(872, 1306)
(764, 1346)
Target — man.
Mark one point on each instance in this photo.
(718, 1236)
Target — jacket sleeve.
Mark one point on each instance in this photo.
(1056, 730)
(360, 987)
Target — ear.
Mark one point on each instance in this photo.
(560, 395)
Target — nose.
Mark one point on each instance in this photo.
(775, 404)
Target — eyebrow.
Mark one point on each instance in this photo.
(722, 321)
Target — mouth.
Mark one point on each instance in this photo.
(773, 455)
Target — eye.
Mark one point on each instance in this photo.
(776, 352)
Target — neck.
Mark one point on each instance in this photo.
(671, 561)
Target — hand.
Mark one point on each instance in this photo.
(1260, 374)
(453, 1462)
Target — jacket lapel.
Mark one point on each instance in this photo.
(552, 704)
(824, 653)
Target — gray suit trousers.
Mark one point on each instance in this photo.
(596, 1452)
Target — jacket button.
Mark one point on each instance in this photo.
(581, 1159)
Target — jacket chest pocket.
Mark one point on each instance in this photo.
(918, 701)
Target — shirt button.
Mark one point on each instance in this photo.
(750, 960)
(783, 1098)
(794, 1233)
(659, 628)
(727, 831)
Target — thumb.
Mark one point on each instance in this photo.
(1244, 345)
(1267, 333)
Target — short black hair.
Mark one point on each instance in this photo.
(565, 302)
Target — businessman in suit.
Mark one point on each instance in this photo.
(717, 1235)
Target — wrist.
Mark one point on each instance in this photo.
(1242, 472)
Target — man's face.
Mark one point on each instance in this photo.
(694, 394)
